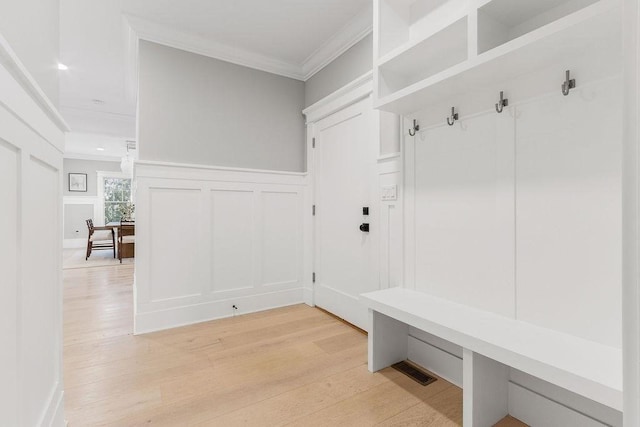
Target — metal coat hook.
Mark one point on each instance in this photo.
(568, 84)
(454, 116)
(502, 103)
(416, 128)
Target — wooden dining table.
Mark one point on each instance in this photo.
(128, 249)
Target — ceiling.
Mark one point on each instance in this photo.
(294, 38)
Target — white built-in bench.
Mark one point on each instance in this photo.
(491, 344)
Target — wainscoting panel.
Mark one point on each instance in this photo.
(31, 146)
(232, 240)
(281, 238)
(174, 227)
(9, 193)
(212, 238)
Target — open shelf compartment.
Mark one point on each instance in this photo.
(500, 21)
(442, 50)
(404, 23)
(592, 30)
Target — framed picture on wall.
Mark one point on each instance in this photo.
(78, 182)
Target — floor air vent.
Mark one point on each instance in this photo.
(413, 372)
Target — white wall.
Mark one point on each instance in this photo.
(32, 28)
(199, 110)
(520, 214)
(529, 202)
(31, 147)
(209, 238)
(80, 206)
(91, 168)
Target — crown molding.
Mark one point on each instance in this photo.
(153, 32)
(138, 28)
(357, 29)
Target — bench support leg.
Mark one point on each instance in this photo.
(485, 390)
(388, 341)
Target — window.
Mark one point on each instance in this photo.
(117, 194)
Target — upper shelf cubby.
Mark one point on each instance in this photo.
(428, 50)
(425, 58)
(500, 21)
(405, 23)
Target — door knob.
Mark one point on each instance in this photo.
(364, 227)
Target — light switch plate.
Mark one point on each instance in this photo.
(389, 192)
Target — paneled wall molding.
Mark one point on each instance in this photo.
(349, 94)
(211, 238)
(98, 216)
(31, 146)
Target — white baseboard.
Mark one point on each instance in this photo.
(187, 315)
(433, 359)
(531, 400)
(54, 414)
(74, 243)
(536, 410)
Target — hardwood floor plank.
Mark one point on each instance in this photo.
(295, 365)
(376, 404)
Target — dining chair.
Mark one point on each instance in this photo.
(126, 236)
(100, 238)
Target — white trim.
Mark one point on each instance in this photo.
(96, 157)
(349, 94)
(12, 63)
(357, 29)
(536, 409)
(630, 217)
(150, 31)
(174, 317)
(80, 200)
(216, 168)
(131, 61)
(389, 156)
(54, 413)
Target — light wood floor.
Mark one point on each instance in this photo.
(289, 366)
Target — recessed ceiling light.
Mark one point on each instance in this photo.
(62, 67)
(100, 149)
(97, 101)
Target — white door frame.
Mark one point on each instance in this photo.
(630, 217)
(353, 92)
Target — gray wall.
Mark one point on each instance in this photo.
(347, 67)
(32, 28)
(75, 216)
(90, 167)
(194, 109)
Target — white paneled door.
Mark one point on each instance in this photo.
(345, 160)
